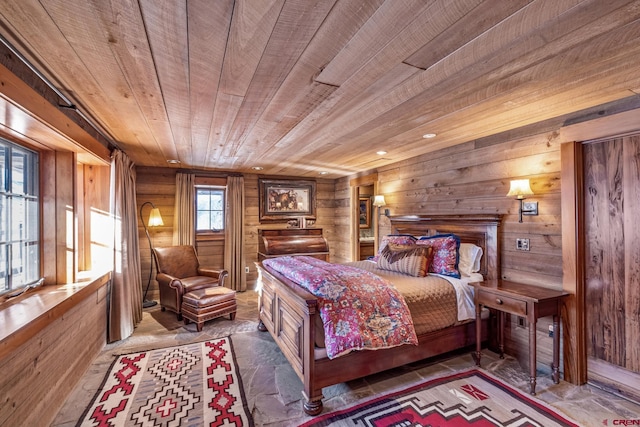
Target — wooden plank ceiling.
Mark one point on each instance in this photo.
(301, 87)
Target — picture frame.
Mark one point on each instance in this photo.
(281, 200)
(364, 212)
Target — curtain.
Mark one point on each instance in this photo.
(125, 296)
(185, 210)
(234, 234)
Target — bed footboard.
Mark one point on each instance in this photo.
(289, 313)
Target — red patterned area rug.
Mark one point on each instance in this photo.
(191, 385)
(470, 398)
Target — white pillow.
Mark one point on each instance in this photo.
(470, 256)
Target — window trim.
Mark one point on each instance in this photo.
(32, 194)
(210, 235)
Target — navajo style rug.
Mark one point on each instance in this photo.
(470, 398)
(191, 385)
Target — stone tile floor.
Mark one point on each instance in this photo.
(274, 391)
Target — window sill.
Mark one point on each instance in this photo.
(209, 237)
(23, 317)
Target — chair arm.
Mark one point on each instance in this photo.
(216, 274)
(171, 281)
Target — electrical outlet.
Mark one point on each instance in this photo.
(521, 322)
(246, 269)
(522, 244)
(551, 331)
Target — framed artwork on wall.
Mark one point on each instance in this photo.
(284, 199)
(364, 212)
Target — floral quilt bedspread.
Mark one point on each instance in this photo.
(359, 310)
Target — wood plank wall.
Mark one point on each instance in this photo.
(38, 376)
(474, 178)
(157, 185)
(470, 178)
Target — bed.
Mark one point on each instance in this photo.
(291, 314)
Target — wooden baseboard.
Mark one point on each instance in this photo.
(614, 379)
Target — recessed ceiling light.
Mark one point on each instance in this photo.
(257, 168)
(173, 161)
(381, 153)
(429, 135)
(324, 173)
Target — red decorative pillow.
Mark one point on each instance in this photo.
(444, 253)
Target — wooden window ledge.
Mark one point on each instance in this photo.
(23, 317)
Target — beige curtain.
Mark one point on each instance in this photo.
(125, 296)
(185, 210)
(234, 234)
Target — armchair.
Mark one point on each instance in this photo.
(179, 272)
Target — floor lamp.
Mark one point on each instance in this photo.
(155, 220)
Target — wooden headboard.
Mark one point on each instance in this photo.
(481, 230)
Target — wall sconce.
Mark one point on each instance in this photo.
(378, 202)
(521, 188)
(155, 220)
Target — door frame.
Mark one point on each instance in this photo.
(354, 205)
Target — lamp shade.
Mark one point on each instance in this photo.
(520, 188)
(378, 201)
(155, 219)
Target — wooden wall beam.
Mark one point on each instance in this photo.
(22, 87)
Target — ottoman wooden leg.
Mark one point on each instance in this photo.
(232, 315)
(199, 326)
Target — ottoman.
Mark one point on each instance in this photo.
(205, 304)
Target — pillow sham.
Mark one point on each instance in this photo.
(410, 260)
(396, 239)
(470, 256)
(444, 255)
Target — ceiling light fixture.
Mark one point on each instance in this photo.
(429, 135)
(381, 153)
(173, 161)
(324, 173)
(257, 168)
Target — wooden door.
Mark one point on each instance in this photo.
(612, 262)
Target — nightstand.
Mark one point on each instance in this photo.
(531, 302)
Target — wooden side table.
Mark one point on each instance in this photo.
(531, 302)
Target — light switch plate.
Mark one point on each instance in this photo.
(522, 244)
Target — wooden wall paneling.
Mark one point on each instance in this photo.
(65, 217)
(40, 373)
(631, 195)
(84, 239)
(158, 186)
(474, 178)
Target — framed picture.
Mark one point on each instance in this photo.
(284, 199)
(365, 212)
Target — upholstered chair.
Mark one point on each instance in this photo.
(179, 272)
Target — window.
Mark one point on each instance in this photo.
(209, 209)
(19, 217)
